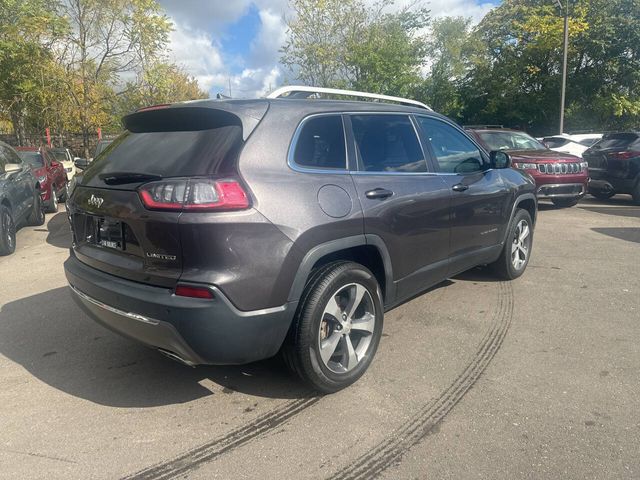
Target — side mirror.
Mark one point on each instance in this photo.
(12, 167)
(81, 163)
(500, 159)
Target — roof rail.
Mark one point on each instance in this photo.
(301, 91)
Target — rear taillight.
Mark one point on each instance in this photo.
(624, 155)
(194, 292)
(194, 194)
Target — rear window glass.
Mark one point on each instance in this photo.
(32, 158)
(321, 143)
(59, 155)
(617, 140)
(171, 154)
(555, 142)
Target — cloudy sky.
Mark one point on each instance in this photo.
(235, 43)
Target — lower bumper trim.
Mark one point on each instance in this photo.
(561, 190)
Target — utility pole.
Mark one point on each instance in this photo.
(564, 61)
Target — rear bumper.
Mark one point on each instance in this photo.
(618, 185)
(196, 331)
(561, 190)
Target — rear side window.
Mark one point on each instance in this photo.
(320, 144)
(172, 153)
(454, 152)
(387, 143)
(618, 140)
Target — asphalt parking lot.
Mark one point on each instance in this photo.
(538, 378)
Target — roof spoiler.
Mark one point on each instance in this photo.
(188, 116)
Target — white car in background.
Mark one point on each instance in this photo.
(573, 144)
(64, 156)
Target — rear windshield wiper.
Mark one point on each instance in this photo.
(120, 178)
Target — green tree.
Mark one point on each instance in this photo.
(160, 83)
(28, 29)
(448, 49)
(108, 38)
(347, 44)
(516, 78)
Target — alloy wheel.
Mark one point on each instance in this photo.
(346, 329)
(521, 245)
(9, 231)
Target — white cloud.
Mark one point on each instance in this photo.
(197, 53)
(270, 37)
(199, 25)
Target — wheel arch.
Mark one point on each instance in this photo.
(368, 250)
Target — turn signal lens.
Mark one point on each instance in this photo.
(195, 194)
(194, 292)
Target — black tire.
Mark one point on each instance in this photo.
(602, 195)
(504, 266)
(565, 202)
(7, 231)
(301, 350)
(636, 193)
(36, 217)
(52, 204)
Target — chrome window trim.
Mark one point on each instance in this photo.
(415, 131)
(294, 142)
(481, 150)
(302, 169)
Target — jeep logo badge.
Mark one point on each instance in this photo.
(95, 201)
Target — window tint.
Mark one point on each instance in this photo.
(454, 152)
(617, 140)
(510, 141)
(171, 154)
(12, 156)
(321, 143)
(387, 143)
(3, 158)
(33, 158)
(555, 142)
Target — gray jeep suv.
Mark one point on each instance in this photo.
(223, 232)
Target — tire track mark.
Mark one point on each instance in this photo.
(195, 457)
(391, 450)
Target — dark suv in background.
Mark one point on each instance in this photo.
(222, 232)
(20, 199)
(614, 165)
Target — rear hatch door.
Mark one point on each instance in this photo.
(112, 230)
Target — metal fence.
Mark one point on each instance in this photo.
(72, 141)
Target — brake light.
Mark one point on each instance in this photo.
(624, 155)
(194, 292)
(195, 194)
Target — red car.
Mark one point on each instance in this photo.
(561, 177)
(50, 173)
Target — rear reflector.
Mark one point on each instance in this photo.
(194, 194)
(194, 292)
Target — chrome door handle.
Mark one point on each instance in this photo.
(378, 193)
(460, 187)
